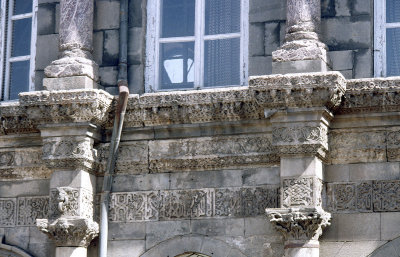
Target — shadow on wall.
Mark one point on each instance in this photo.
(391, 248)
(185, 246)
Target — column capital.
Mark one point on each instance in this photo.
(301, 225)
(69, 232)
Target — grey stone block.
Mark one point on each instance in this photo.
(39, 75)
(299, 66)
(345, 249)
(106, 15)
(215, 248)
(342, 33)
(38, 237)
(260, 65)
(361, 7)
(341, 60)
(206, 179)
(57, 18)
(176, 246)
(342, 7)
(272, 37)
(111, 48)
(135, 47)
(256, 44)
(328, 8)
(218, 227)
(124, 247)
(390, 225)
(136, 9)
(262, 11)
(261, 226)
(282, 32)
(337, 173)
(17, 236)
(98, 40)
(261, 176)
(46, 50)
(160, 231)
(136, 79)
(108, 76)
(112, 90)
(354, 227)
(348, 74)
(46, 21)
(148, 182)
(374, 171)
(125, 231)
(363, 64)
(41, 249)
(30, 187)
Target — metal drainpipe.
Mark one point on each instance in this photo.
(117, 129)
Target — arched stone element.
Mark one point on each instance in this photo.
(11, 251)
(199, 244)
(391, 248)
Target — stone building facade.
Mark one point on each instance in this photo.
(302, 160)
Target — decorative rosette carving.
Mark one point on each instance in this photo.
(299, 224)
(76, 232)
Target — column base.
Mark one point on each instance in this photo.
(71, 252)
(69, 83)
(302, 66)
(71, 67)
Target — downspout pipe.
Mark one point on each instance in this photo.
(117, 128)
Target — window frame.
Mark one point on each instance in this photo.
(6, 44)
(153, 41)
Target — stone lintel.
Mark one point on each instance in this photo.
(75, 82)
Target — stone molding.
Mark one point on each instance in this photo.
(11, 251)
(69, 232)
(303, 224)
(192, 203)
(69, 152)
(201, 106)
(371, 95)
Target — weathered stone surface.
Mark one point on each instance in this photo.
(299, 224)
(72, 66)
(8, 212)
(210, 153)
(75, 82)
(67, 232)
(191, 204)
(31, 208)
(301, 192)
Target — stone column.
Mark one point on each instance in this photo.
(302, 50)
(76, 68)
(300, 109)
(69, 124)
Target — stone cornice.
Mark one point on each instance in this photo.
(372, 95)
(326, 90)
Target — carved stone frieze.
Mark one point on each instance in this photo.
(75, 232)
(69, 152)
(192, 204)
(299, 90)
(299, 224)
(350, 197)
(357, 146)
(371, 95)
(301, 192)
(393, 145)
(68, 202)
(14, 120)
(22, 163)
(8, 212)
(208, 153)
(31, 208)
(386, 196)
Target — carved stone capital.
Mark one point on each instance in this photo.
(76, 232)
(303, 224)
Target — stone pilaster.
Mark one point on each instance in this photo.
(76, 68)
(69, 124)
(300, 121)
(302, 50)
